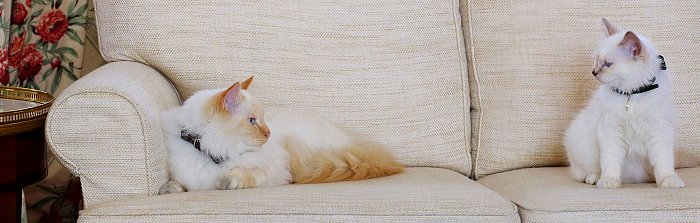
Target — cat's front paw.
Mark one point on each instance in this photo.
(672, 181)
(592, 178)
(227, 183)
(609, 183)
(237, 178)
(172, 187)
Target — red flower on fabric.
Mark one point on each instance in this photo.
(52, 26)
(30, 63)
(29, 3)
(4, 75)
(19, 13)
(15, 52)
(55, 62)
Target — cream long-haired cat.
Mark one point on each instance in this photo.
(626, 132)
(224, 139)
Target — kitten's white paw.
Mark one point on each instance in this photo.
(228, 183)
(172, 187)
(592, 178)
(609, 183)
(672, 181)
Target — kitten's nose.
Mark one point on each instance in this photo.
(265, 130)
(594, 73)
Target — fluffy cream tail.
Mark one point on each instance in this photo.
(684, 160)
(363, 160)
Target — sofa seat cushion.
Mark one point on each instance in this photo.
(551, 195)
(419, 194)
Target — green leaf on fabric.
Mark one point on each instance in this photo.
(35, 14)
(41, 45)
(5, 25)
(32, 84)
(81, 10)
(69, 50)
(46, 74)
(71, 7)
(56, 82)
(40, 2)
(74, 36)
(80, 21)
(18, 32)
(69, 73)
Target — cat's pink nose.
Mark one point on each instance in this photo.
(267, 134)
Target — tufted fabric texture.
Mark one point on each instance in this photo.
(550, 195)
(391, 70)
(530, 71)
(418, 195)
(105, 128)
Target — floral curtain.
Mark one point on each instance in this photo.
(42, 48)
(42, 43)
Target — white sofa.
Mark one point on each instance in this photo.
(473, 96)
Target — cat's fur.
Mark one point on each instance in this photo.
(280, 146)
(608, 144)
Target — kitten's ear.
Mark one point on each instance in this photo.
(232, 97)
(246, 83)
(609, 27)
(631, 43)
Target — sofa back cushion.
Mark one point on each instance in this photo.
(391, 70)
(531, 68)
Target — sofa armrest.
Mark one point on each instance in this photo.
(105, 128)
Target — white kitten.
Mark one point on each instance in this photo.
(223, 139)
(626, 132)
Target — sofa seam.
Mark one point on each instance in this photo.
(620, 210)
(97, 29)
(466, 118)
(476, 145)
(290, 214)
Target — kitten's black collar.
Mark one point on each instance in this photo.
(639, 90)
(194, 140)
(645, 88)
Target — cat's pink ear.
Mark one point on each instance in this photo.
(631, 43)
(246, 83)
(609, 27)
(232, 97)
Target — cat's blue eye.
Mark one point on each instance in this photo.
(253, 121)
(607, 64)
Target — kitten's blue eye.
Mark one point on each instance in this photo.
(253, 121)
(607, 64)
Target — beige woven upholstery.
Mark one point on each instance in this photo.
(418, 195)
(391, 70)
(530, 71)
(400, 72)
(105, 129)
(550, 195)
